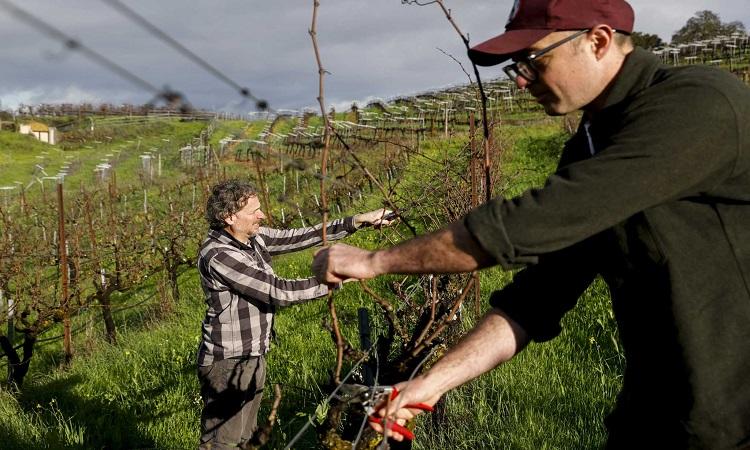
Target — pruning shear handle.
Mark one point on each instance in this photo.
(393, 426)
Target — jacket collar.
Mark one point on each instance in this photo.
(637, 73)
(226, 238)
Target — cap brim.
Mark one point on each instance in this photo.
(500, 48)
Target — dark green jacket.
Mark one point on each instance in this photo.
(662, 212)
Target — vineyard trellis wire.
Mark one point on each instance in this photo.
(398, 126)
(388, 133)
(40, 302)
(422, 345)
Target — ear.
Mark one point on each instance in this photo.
(602, 39)
(229, 220)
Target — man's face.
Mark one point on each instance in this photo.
(246, 221)
(567, 75)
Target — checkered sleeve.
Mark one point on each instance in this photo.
(285, 241)
(244, 276)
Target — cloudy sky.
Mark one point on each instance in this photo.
(372, 48)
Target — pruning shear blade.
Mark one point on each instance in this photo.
(372, 398)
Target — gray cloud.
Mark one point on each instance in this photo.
(372, 48)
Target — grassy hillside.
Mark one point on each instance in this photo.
(120, 145)
(143, 392)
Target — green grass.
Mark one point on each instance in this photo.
(553, 395)
(19, 154)
(140, 393)
(235, 128)
(143, 391)
(528, 168)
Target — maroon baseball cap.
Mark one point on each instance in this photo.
(532, 20)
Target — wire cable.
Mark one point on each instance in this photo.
(328, 399)
(74, 44)
(372, 392)
(154, 30)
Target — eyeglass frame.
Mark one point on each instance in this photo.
(513, 70)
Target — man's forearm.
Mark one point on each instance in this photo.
(450, 250)
(295, 239)
(496, 339)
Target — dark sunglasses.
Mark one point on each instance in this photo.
(524, 67)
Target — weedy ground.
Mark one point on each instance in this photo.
(143, 392)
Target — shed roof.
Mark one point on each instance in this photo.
(38, 126)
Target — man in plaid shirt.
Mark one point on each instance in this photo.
(242, 293)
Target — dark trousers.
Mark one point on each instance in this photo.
(231, 390)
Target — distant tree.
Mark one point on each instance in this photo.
(645, 40)
(25, 110)
(705, 25)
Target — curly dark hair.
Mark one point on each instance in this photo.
(227, 198)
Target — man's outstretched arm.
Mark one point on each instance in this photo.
(450, 250)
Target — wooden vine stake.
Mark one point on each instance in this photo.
(64, 301)
(487, 141)
(323, 196)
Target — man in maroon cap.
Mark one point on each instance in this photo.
(652, 194)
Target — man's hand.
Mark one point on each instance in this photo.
(496, 339)
(380, 218)
(341, 262)
(411, 392)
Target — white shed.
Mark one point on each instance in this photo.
(40, 131)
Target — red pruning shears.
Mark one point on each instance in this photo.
(374, 397)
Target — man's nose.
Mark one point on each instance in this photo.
(522, 82)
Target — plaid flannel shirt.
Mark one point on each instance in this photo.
(242, 291)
